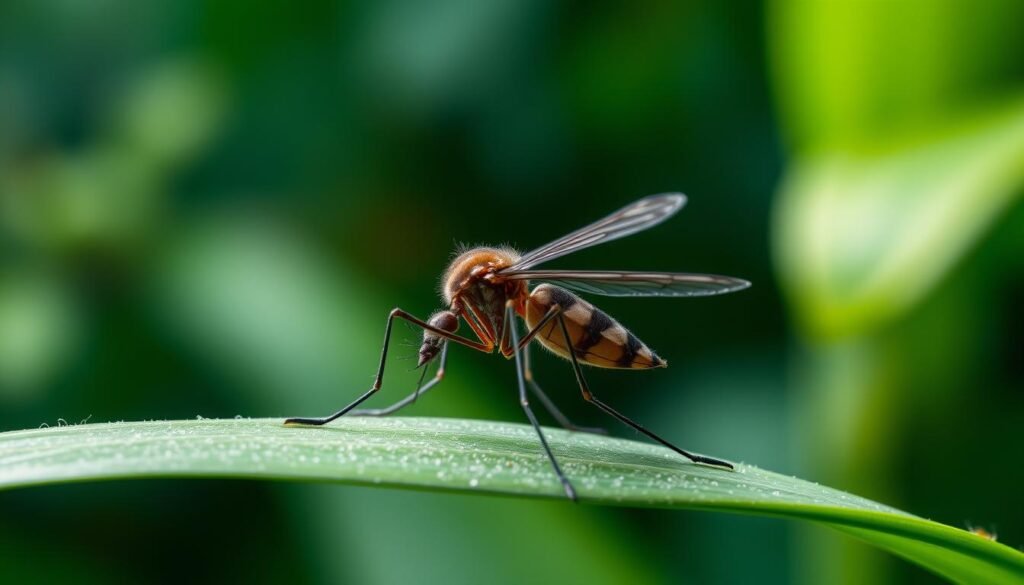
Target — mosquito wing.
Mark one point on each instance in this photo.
(635, 284)
(638, 216)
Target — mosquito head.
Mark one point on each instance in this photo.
(432, 342)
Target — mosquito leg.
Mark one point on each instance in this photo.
(524, 346)
(420, 390)
(589, 397)
(399, 314)
(521, 378)
(555, 412)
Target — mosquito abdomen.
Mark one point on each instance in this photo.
(597, 339)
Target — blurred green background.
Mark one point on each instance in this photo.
(207, 209)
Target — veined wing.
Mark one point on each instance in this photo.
(613, 283)
(638, 216)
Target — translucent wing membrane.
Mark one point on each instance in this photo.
(640, 215)
(635, 284)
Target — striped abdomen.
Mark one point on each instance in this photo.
(597, 339)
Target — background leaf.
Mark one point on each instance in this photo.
(863, 236)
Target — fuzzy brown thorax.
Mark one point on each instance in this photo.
(472, 265)
(474, 290)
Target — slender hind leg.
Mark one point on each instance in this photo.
(555, 412)
(521, 377)
(421, 389)
(399, 314)
(589, 397)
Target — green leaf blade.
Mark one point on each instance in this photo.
(483, 457)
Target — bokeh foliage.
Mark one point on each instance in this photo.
(892, 228)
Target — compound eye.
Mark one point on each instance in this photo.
(445, 320)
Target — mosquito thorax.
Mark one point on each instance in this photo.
(432, 342)
(474, 265)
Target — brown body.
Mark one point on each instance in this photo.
(477, 293)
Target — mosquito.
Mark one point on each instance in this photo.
(489, 287)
